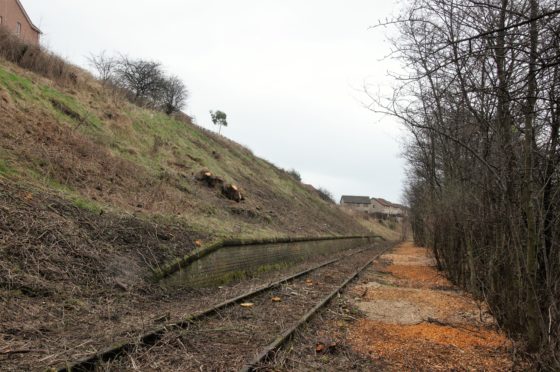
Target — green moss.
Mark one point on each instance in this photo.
(271, 267)
(5, 168)
(16, 84)
(11, 293)
(86, 204)
(232, 276)
(74, 304)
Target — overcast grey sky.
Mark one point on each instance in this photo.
(287, 73)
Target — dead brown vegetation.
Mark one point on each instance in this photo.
(36, 59)
(480, 99)
(73, 281)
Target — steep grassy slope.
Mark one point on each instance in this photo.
(107, 154)
(109, 161)
(96, 193)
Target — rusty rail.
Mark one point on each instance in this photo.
(153, 336)
(286, 335)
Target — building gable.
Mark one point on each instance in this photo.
(29, 21)
(16, 20)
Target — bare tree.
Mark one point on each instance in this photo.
(142, 78)
(104, 66)
(142, 81)
(173, 94)
(480, 100)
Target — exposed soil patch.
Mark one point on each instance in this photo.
(420, 322)
(431, 347)
(399, 305)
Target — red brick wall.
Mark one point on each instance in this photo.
(11, 14)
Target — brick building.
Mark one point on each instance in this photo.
(14, 18)
(359, 203)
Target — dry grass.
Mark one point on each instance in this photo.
(95, 192)
(231, 338)
(36, 59)
(374, 226)
(139, 161)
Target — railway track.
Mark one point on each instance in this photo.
(238, 333)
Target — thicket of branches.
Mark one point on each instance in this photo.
(143, 82)
(481, 99)
(326, 195)
(35, 58)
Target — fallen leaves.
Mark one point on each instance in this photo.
(247, 305)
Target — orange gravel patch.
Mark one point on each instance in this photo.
(414, 268)
(431, 347)
(419, 276)
(417, 320)
(409, 249)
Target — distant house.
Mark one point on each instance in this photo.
(387, 208)
(376, 207)
(359, 203)
(14, 18)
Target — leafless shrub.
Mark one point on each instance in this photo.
(173, 95)
(294, 174)
(104, 66)
(480, 98)
(141, 78)
(36, 59)
(143, 82)
(326, 195)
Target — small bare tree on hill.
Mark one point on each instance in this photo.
(143, 82)
(104, 66)
(174, 95)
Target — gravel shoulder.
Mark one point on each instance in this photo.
(401, 315)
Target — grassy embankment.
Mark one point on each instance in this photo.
(97, 194)
(109, 174)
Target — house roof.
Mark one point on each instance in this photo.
(386, 203)
(27, 17)
(350, 199)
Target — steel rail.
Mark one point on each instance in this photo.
(151, 337)
(286, 335)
